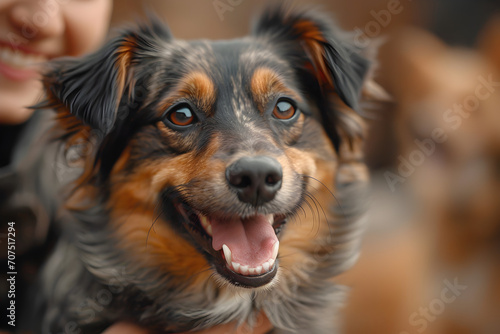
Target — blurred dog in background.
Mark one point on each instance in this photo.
(458, 92)
(447, 124)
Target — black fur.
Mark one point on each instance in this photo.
(88, 87)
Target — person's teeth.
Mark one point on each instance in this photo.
(18, 58)
(8, 56)
(227, 253)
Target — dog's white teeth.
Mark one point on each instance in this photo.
(252, 271)
(244, 270)
(270, 218)
(206, 224)
(247, 270)
(227, 254)
(275, 250)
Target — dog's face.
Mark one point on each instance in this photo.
(205, 152)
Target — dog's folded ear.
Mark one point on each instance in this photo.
(309, 36)
(332, 70)
(91, 88)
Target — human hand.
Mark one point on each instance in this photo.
(263, 326)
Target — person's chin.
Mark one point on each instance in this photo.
(17, 98)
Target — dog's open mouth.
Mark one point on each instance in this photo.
(243, 250)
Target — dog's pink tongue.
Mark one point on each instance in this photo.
(250, 240)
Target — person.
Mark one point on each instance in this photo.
(31, 33)
(34, 31)
(263, 326)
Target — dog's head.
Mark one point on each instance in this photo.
(203, 150)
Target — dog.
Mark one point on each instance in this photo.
(221, 179)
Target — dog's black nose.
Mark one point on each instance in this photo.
(255, 179)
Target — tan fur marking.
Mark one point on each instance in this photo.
(124, 56)
(196, 86)
(265, 83)
(313, 39)
(133, 210)
(304, 241)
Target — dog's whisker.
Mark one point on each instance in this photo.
(315, 213)
(306, 202)
(152, 225)
(328, 189)
(328, 223)
(202, 272)
(309, 202)
(317, 205)
(299, 207)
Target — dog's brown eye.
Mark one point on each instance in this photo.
(181, 117)
(284, 110)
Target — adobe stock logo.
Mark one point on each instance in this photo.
(31, 25)
(381, 19)
(452, 119)
(223, 6)
(425, 315)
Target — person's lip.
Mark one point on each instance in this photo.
(19, 64)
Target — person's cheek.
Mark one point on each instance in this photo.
(87, 24)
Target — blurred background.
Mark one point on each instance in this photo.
(430, 261)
